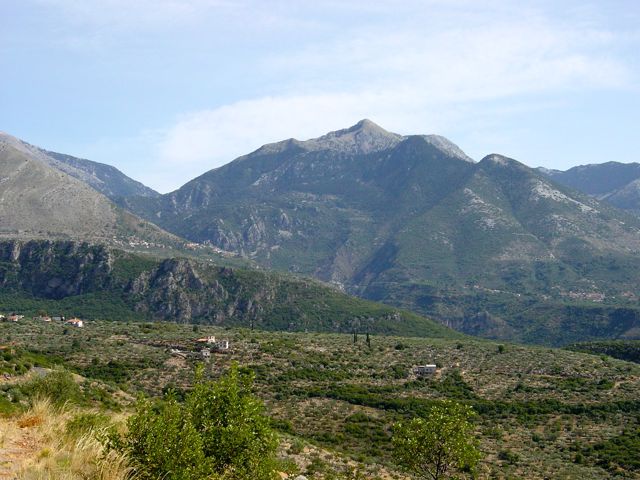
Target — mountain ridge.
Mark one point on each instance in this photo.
(616, 183)
(40, 201)
(391, 218)
(95, 281)
(493, 248)
(103, 178)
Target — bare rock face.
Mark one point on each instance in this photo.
(364, 137)
(105, 283)
(174, 290)
(255, 231)
(55, 270)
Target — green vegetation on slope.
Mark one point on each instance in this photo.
(539, 409)
(628, 350)
(93, 282)
(411, 222)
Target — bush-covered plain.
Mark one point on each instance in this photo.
(334, 398)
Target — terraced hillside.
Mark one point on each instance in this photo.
(542, 413)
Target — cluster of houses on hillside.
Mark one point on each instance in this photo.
(202, 347)
(15, 317)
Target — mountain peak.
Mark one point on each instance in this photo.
(363, 137)
(495, 159)
(366, 125)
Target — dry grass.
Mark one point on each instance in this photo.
(31, 421)
(45, 450)
(84, 458)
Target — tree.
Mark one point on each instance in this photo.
(235, 433)
(434, 446)
(219, 432)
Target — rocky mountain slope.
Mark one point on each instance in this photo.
(412, 221)
(105, 179)
(39, 201)
(616, 183)
(98, 282)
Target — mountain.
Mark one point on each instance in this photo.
(106, 179)
(40, 201)
(299, 205)
(492, 248)
(616, 183)
(94, 281)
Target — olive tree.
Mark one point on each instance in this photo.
(435, 446)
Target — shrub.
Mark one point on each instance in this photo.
(622, 450)
(433, 446)
(220, 430)
(84, 423)
(57, 385)
(163, 443)
(508, 456)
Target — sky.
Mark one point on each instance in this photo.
(166, 90)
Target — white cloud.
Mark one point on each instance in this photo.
(418, 81)
(417, 66)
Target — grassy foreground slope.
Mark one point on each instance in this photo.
(542, 413)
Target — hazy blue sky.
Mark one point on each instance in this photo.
(166, 89)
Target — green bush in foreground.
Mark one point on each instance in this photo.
(434, 446)
(220, 431)
(57, 385)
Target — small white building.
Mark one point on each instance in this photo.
(220, 345)
(75, 322)
(424, 370)
(176, 352)
(206, 353)
(210, 339)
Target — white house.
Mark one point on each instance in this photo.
(424, 370)
(75, 322)
(209, 339)
(220, 345)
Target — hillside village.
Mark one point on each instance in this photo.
(71, 321)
